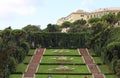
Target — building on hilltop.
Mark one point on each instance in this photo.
(61, 20)
(100, 12)
(81, 14)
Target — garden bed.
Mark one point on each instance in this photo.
(61, 52)
(62, 59)
(63, 69)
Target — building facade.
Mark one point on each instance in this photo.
(81, 14)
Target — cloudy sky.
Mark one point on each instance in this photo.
(19, 13)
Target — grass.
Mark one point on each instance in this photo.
(77, 68)
(51, 59)
(91, 52)
(21, 68)
(31, 52)
(110, 76)
(63, 76)
(67, 51)
(27, 59)
(105, 69)
(15, 76)
(97, 60)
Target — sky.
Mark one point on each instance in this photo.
(20, 13)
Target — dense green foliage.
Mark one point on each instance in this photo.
(52, 28)
(105, 41)
(118, 16)
(103, 38)
(58, 40)
(110, 18)
(32, 28)
(93, 20)
(13, 49)
(117, 69)
(79, 22)
(78, 26)
(66, 24)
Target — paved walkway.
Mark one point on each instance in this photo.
(34, 64)
(93, 68)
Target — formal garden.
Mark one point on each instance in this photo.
(62, 63)
(62, 58)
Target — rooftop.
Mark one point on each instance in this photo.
(106, 9)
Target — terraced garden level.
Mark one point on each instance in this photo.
(63, 63)
(62, 60)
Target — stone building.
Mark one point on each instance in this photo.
(81, 14)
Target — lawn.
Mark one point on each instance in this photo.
(21, 68)
(31, 52)
(53, 68)
(97, 60)
(61, 68)
(62, 59)
(110, 76)
(61, 51)
(91, 52)
(27, 59)
(15, 76)
(63, 76)
(104, 69)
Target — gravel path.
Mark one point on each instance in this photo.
(34, 64)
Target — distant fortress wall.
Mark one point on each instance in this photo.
(81, 14)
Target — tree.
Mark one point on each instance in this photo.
(110, 18)
(118, 16)
(7, 48)
(76, 28)
(117, 69)
(66, 24)
(25, 47)
(98, 27)
(32, 28)
(19, 36)
(13, 48)
(52, 28)
(93, 20)
(113, 48)
(79, 22)
(6, 34)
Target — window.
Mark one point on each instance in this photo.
(82, 15)
(88, 17)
